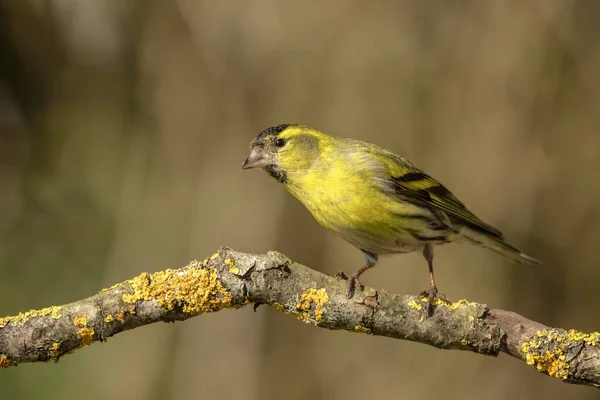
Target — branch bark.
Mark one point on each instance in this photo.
(231, 279)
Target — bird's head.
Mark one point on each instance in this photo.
(284, 149)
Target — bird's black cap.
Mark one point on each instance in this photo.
(274, 130)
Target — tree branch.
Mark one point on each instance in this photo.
(230, 279)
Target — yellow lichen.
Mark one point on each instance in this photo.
(80, 321)
(548, 348)
(120, 315)
(116, 285)
(552, 363)
(108, 318)
(54, 351)
(464, 342)
(192, 289)
(204, 262)
(23, 317)
(232, 268)
(542, 333)
(86, 335)
(591, 339)
(453, 305)
(361, 329)
(311, 300)
(278, 306)
(415, 305)
(5, 362)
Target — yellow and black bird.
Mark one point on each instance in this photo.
(375, 200)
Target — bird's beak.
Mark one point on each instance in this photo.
(256, 159)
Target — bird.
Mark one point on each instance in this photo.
(375, 200)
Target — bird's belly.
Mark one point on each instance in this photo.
(395, 242)
(368, 218)
(368, 226)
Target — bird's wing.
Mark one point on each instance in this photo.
(409, 183)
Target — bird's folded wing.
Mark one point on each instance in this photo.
(411, 184)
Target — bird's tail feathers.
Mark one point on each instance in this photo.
(498, 245)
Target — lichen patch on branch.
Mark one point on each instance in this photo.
(232, 268)
(452, 305)
(552, 362)
(362, 329)
(548, 350)
(80, 321)
(5, 362)
(414, 305)
(54, 352)
(23, 317)
(591, 339)
(85, 334)
(121, 314)
(192, 289)
(311, 300)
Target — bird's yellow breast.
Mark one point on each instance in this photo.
(343, 196)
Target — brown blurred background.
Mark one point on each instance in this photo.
(123, 125)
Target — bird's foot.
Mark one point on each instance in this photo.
(431, 294)
(353, 284)
(341, 275)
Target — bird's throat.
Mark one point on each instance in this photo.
(276, 173)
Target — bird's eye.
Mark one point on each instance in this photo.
(280, 142)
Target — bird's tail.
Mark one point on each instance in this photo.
(498, 245)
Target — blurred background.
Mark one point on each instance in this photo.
(124, 123)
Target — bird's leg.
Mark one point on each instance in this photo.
(428, 254)
(432, 292)
(353, 281)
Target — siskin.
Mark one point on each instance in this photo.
(375, 200)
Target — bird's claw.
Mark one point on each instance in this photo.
(341, 275)
(431, 294)
(353, 284)
(352, 281)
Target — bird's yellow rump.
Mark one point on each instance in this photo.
(375, 200)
